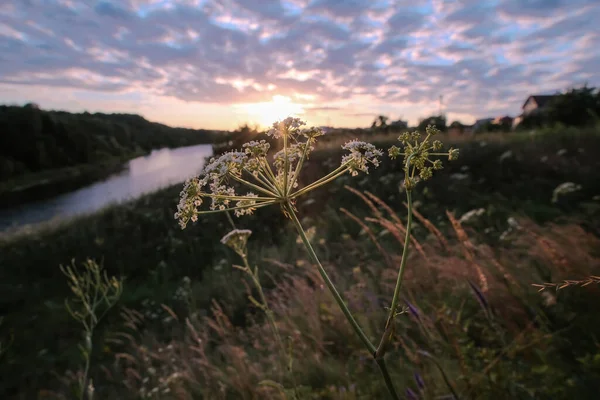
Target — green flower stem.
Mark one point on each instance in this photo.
(260, 180)
(387, 336)
(230, 220)
(329, 177)
(235, 197)
(387, 378)
(299, 166)
(269, 182)
(321, 183)
(338, 298)
(253, 186)
(285, 163)
(270, 174)
(258, 205)
(265, 305)
(328, 282)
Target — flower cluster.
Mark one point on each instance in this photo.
(361, 154)
(270, 179)
(183, 292)
(286, 127)
(564, 189)
(417, 155)
(237, 240)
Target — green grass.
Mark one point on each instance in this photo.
(142, 241)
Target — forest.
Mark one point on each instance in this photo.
(34, 140)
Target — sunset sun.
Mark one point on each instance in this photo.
(266, 113)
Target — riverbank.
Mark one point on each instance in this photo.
(44, 153)
(139, 176)
(47, 184)
(141, 241)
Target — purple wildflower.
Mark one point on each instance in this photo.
(420, 381)
(480, 297)
(411, 395)
(413, 310)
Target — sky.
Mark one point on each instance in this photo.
(218, 64)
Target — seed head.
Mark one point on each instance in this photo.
(452, 154)
(417, 155)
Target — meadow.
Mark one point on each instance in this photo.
(487, 228)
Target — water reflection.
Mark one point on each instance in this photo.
(144, 174)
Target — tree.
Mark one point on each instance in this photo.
(438, 120)
(380, 123)
(576, 107)
(399, 124)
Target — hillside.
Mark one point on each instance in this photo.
(43, 153)
(33, 140)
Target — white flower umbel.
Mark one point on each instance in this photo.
(237, 240)
(269, 182)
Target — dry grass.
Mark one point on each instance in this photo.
(213, 358)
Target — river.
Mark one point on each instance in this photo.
(141, 175)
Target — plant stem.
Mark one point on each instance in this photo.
(271, 319)
(266, 308)
(338, 298)
(285, 163)
(381, 349)
(253, 186)
(386, 377)
(230, 220)
(269, 172)
(299, 166)
(85, 375)
(328, 282)
(258, 205)
(318, 182)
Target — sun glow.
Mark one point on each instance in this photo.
(279, 108)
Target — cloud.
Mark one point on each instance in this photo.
(337, 57)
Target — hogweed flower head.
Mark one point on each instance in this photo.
(268, 180)
(361, 154)
(417, 154)
(237, 240)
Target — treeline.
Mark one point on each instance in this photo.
(576, 107)
(34, 140)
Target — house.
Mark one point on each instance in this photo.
(505, 120)
(534, 104)
(457, 129)
(481, 122)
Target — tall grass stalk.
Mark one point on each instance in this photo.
(237, 240)
(92, 290)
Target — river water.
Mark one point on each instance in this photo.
(141, 175)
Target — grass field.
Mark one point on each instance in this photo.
(495, 337)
